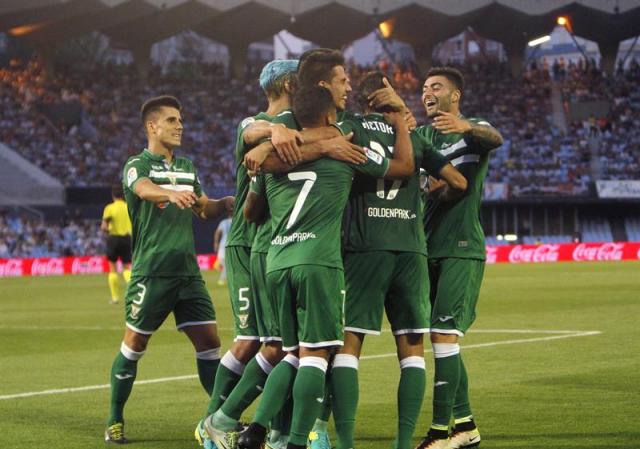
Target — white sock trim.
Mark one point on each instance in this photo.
(345, 361)
(232, 364)
(292, 360)
(412, 362)
(209, 354)
(130, 353)
(442, 350)
(315, 362)
(264, 363)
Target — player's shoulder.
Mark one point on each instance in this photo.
(137, 159)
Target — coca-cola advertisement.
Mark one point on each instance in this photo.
(58, 266)
(569, 252)
(544, 253)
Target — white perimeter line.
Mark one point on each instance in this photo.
(366, 357)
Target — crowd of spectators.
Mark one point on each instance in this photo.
(22, 236)
(81, 126)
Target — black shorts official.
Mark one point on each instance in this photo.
(119, 247)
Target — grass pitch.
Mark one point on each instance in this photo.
(552, 359)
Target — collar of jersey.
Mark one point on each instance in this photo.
(153, 157)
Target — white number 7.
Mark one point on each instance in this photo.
(309, 179)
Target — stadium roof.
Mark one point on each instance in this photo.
(139, 23)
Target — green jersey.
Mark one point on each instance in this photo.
(162, 237)
(386, 214)
(453, 228)
(306, 211)
(262, 239)
(241, 232)
(288, 119)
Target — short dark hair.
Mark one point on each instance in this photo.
(310, 105)
(317, 65)
(371, 82)
(154, 104)
(452, 74)
(117, 191)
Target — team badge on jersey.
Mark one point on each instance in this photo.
(132, 175)
(172, 178)
(246, 122)
(243, 321)
(134, 312)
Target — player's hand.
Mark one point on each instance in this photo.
(447, 123)
(340, 149)
(253, 159)
(229, 203)
(434, 185)
(286, 142)
(182, 199)
(410, 120)
(386, 96)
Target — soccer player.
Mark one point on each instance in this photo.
(456, 251)
(304, 266)
(277, 79)
(117, 225)
(385, 265)
(219, 244)
(163, 192)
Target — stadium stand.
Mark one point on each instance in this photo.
(632, 227)
(596, 230)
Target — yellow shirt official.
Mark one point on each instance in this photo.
(117, 216)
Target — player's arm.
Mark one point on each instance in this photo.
(106, 218)
(481, 133)
(403, 164)
(264, 158)
(148, 191)
(255, 204)
(207, 208)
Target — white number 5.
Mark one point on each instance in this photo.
(309, 179)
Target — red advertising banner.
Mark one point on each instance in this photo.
(545, 253)
(569, 252)
(57, 266)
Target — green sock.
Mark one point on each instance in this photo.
(410, 394)
(277, 390)
(208, 362)
(308, 396)
(247, 389)
(123, 374)
(285, 417)
(345, 394)
(227, 376)
(461, 405)
(446, 379)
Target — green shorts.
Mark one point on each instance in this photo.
(310, 302)
(265, 306)
(239, 282)
(455, 287)
(396, 282)
(149, 300)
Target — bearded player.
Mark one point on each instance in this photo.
(163, 192)
(455, 240)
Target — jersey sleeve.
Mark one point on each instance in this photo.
(432, 161)
(134, 170)
(257, 185)
(197, 186)
(287, 119)
(106, 215)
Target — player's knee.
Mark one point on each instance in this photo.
(272, 351)
(135, 341)
(444, 338)
(352, 343)
(245, 350)
(130, 353)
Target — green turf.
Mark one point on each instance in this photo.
(578, 392)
